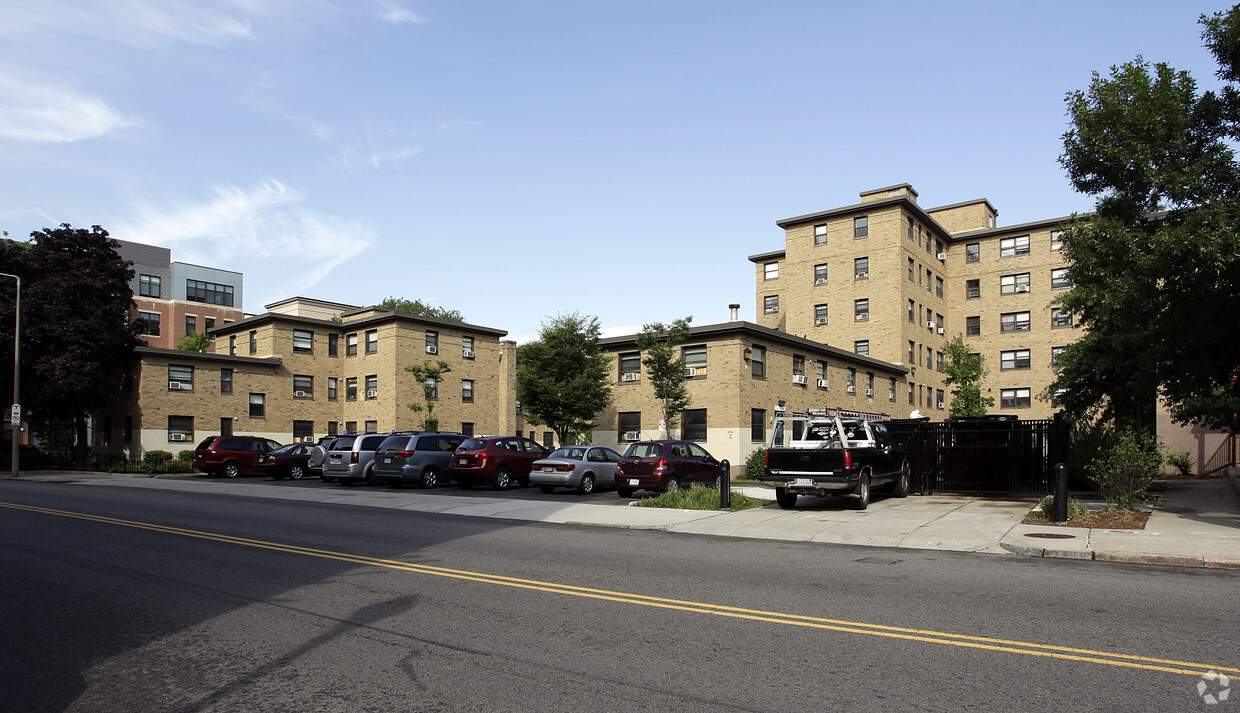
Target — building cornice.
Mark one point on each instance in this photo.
(182, 355)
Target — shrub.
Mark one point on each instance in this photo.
(1075, 508)
(1087, 441)
(185, 456)
(698, 497)
(1182, 463)
(753, 465)
(1126, 469)
(156, 457)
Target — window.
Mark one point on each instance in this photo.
(372, 341)
(148, 286)
(938, 361)
(1060, 279)
(258, 405)
(1055, 353)
(372, 426)
(1060, 318)
(148, 323)
(770, 304)
(1056, 239)
(180, 428)
(820, 274)
(303, 431)
(1011, 284)
(372, 386)
(350, 388)
(232, 345)
(209, 292)
(432, 341)
(467, 347)
(869, 383)
(929, 278)
(1014, 322)
(861, 226)
(938, 396)
(1013, 247)
(972, 289)
(431, 388)
(891, 388)
(929, 241)
(695, 359)
(333, 345)
(909, 228)
(820, 315)
(938, 321)
(467, 390)
(938, 248)
(912, 270)
(938, 286)
(770, 271)
(1014, 398)
(757, 360)
(820, 234)
(821, 368)
(630, 366)
(226, 381)
(912, 313)
(333, 428)
(861, 268)
(973, 252)
(862, 347)
(861, 310)
(912, 398)
(1015, 359)
(191, 324)
(912, 353)
(1057, 397)
(303, 341)
(467, 429)
(350, 345)
(253, 341)
(973, 326)
(182, 376)
(757, 425)
(798, 365)
(851, 379)
(303, 387)
(333, 388)
(629, 426)
(693, 424)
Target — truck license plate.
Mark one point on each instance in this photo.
(803, 482)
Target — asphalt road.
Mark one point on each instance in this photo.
(120, 599)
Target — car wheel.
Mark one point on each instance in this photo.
(231, 470)
(587, 484)
(902, 483)
(624, 492)
(787, 500)
(863, 493)
(430, 478)
(673, 483)
(502, 480)
(548, 489)
(296, 472)
(370, 477)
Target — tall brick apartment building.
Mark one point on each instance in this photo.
(173, 299)
(894, 281)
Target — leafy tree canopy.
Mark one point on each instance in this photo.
(563, 376)
(428, 375)
(665, 366)
(422, 309)
(1156, 271)
(965, 371)
(196, 342)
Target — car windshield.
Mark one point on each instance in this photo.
(343, 443)
(574, 453)
(644, 450)
(472, 444)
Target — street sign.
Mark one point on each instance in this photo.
(15, 417)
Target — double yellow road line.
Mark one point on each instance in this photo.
(851, 627)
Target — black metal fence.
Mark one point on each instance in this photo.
(983, 455)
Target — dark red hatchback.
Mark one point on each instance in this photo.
(499, 460)
(666, 465)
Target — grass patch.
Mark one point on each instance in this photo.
(698, 497)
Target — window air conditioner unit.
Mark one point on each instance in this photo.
(432, 349)
(940, 330)
(690, 371)
(852, 389)
(942, 257)
(176, 437)
(770, 310)
(299, 394)
(940, 404)
(467, 353)
(800, 379)
(863, 275)
(863, 316)
(372, 393)
(632, 435)
(821, 321)
(174, 386)
(630, 376)
(822, 383)
(869, 392)
(820, 281)
(930, 324)
(1022, 288)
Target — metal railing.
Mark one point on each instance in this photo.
(1224, 456)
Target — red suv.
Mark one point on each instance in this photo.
(666, 465)
(231, 455)
(499, 460)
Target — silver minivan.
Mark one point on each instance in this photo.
(351, 458)
(415, 458)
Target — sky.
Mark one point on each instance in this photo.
(520, 161)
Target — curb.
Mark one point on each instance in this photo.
(1020, 548)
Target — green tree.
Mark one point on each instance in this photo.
(428, 375)
(196, 342)
(965, 371)
(665, 366)
(422, 309)
(76, 337)
(562, 377)
(1156, 270)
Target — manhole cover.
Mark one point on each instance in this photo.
(1050, 535)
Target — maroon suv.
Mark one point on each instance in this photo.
(666, 465)
(231, 455)
(499, 460)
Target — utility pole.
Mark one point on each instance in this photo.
(16, 416)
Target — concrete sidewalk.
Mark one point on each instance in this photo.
(1195, 523)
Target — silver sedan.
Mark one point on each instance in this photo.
(582, 467)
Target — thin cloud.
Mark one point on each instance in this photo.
(135, 22)
(34, 111)
(395, 14)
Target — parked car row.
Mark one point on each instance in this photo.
(431, 458)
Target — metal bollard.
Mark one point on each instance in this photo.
(725, 486)
(1061, 494)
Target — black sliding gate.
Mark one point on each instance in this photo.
(983, 454)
